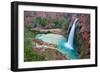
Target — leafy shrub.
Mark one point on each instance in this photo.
(41, 21)
(29, 54)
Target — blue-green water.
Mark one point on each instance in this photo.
(50, 38)
(68, 51)
(63, 46)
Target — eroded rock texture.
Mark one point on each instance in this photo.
(84, 21)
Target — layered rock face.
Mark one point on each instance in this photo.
(84, 21)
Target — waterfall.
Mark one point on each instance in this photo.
(64, 47)
(71, 34)
(67, 48)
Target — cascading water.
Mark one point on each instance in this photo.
(71, 34)
(66, 48)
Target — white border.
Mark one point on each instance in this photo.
(22, 64)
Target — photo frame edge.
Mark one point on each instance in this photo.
(14, 37)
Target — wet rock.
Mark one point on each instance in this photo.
(50, 51)
(52, 54)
